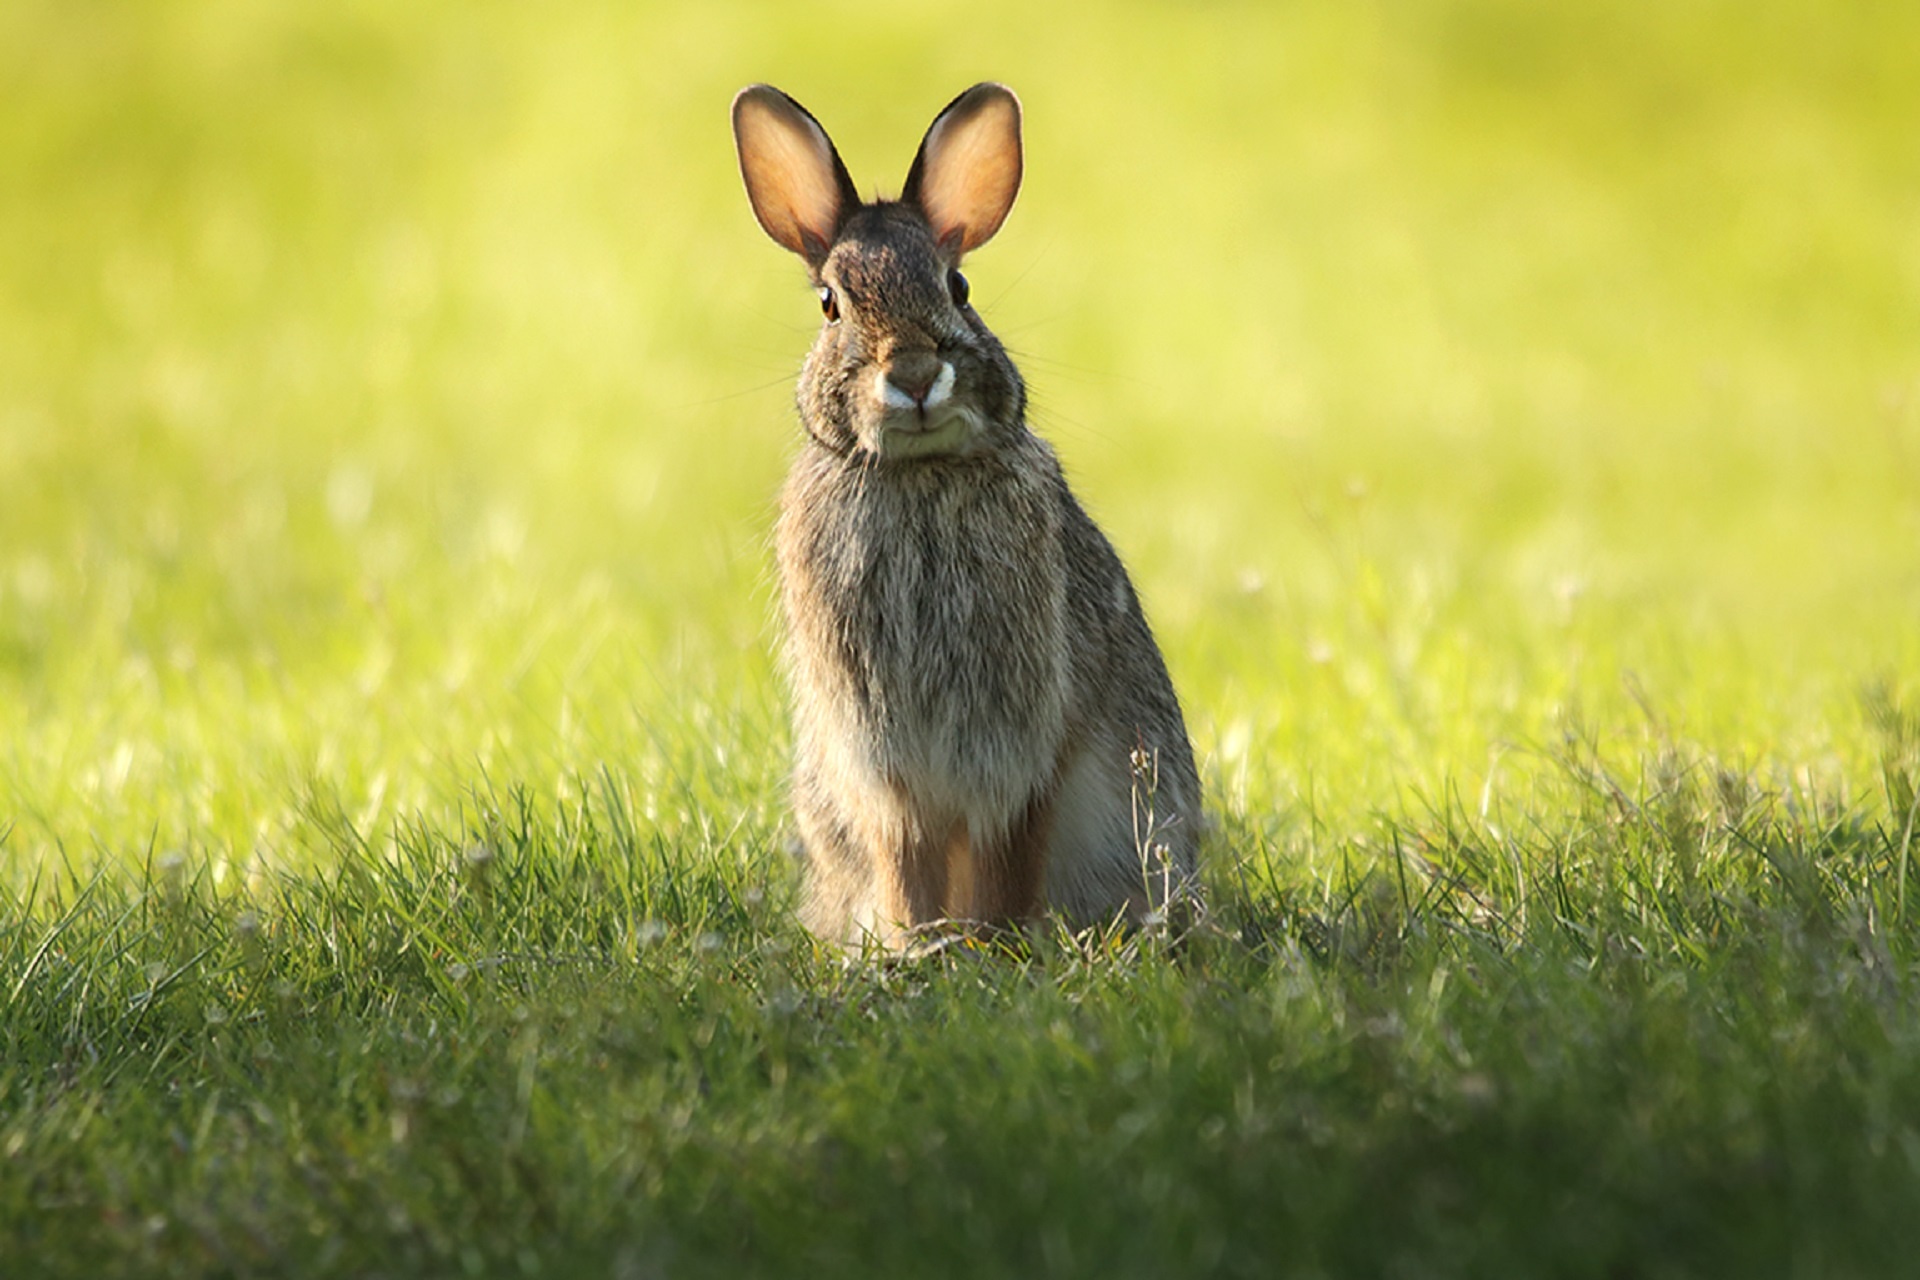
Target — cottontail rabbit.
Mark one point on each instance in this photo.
(985, 728)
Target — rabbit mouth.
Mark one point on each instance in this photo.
(919, 433)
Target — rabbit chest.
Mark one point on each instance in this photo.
(926, 609)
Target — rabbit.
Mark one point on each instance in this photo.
(984, 728)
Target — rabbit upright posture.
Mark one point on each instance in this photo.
(985, 727)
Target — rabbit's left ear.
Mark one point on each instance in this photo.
(968, 169)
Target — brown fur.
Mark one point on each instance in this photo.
(974, 683)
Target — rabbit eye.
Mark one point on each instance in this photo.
(829, 305)
(957, 286)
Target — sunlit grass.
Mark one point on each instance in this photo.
(1511, 415)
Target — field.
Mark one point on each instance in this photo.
(1510, 414)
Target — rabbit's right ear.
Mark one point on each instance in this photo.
(799, 188)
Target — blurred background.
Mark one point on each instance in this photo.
(393, 398)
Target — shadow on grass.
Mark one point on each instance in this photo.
(1668, 1029)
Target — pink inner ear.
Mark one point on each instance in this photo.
(971, 172)
(789, 168)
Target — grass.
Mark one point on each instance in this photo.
(1511, 416)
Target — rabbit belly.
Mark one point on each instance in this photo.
(901, 792)
(969, 751)
(956, 707)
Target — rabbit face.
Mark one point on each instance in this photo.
(904, 367)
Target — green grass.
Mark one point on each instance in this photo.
(1511, 414)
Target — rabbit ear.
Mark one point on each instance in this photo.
(968, 169)
(798, 186)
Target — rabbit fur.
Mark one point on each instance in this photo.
(984, 726)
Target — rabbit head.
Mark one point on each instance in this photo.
(903, 368)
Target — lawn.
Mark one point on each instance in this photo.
(1511, 417)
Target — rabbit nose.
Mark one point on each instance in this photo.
(914, 373)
